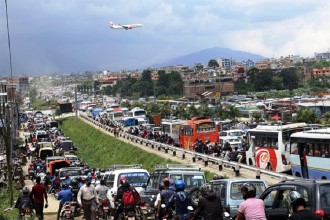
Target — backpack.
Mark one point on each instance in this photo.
(129, 198)
(25, 202)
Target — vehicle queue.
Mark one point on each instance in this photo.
(41, 167)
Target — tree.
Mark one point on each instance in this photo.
(213, 63)
(263, 80)
(290, 78)
(307, 115)
(33, 95)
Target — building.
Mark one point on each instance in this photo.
(322, 56)
(321, 72)
(22, 83)
(213, 87)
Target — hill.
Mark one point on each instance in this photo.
(204, 56)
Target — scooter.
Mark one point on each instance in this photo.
(103, 211)
(26, 213)
(67, 211)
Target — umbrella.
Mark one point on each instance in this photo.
(276, 117)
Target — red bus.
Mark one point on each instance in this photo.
(198, 128)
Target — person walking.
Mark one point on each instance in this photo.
(38, 195)
(87, 195)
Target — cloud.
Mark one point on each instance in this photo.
(71, 36)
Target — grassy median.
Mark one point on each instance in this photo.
(101, 150)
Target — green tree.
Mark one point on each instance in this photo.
(213, 63)
(205, 111)
(263, 80)
(307, 115)
(290, 78)
(33, 93)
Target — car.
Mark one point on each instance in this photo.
(72, 158)
(229, 190)
(134, 173)
(72, 172)
(233, 141)
(315, 192)
(190, 174)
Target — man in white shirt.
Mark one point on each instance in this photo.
(87, 198)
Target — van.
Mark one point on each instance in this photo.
(72, 158)
(46, 152)
(134, 173)
(53, 158)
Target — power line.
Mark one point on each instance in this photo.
(8, 36)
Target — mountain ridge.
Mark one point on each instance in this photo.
(203, 56)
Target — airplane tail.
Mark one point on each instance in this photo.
(111, 23)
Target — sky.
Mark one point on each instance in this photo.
(70, 36)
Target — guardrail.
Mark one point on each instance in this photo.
(194, 155)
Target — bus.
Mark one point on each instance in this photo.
(309, 156)
(117, 117)
(172, 129)
(198, 128)
(268, 146)
(137, 113)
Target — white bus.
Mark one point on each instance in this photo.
(172, 128)
(269, 146)
(309, 156)
(137, 113)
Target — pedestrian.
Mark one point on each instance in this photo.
(38, 195)
(87, 195)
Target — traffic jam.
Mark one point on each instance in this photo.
(53, 159)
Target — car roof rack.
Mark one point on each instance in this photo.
(177, 167)
(124, 166)
(298, 180)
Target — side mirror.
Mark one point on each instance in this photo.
(144, 186)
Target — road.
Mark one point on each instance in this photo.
(214, 168)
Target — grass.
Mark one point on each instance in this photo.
(4, 204)
(101, 150)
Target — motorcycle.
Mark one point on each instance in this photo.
(226, 216)
(103, 211)
(127, 215)
(142, 210)
(67, 211)
(26, 213)
(168, 213)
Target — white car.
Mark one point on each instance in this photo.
(135, 175)
(233, 141)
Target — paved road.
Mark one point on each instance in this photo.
(214, 168)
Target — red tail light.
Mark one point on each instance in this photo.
(320, 212)
(104, 201)
(67, 207)
(284, 160)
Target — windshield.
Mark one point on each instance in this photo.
(236, 194)
(70, 173)
(191, 180)
(136, 179)
(236, 133)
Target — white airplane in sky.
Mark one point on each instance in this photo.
(124, 26)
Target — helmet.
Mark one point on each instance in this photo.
(206, 189)
(122, 180)
(180, 185)
(166, 182)
(248, 190)
(294, 198)
(26, 190)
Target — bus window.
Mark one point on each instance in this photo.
(188, 131)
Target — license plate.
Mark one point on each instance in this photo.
(68, 211)
(105, 207)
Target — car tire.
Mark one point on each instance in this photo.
(194, 194)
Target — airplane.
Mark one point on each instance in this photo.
(124, 26)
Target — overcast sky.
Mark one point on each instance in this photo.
(67, 36)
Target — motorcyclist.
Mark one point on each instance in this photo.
(165, 196)
(24, 202)
(180, 199)
(102, 190)
(296, 205)
(252, 207)
(67, 180)
(65, 195)
(125, 186)
(209, 205)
